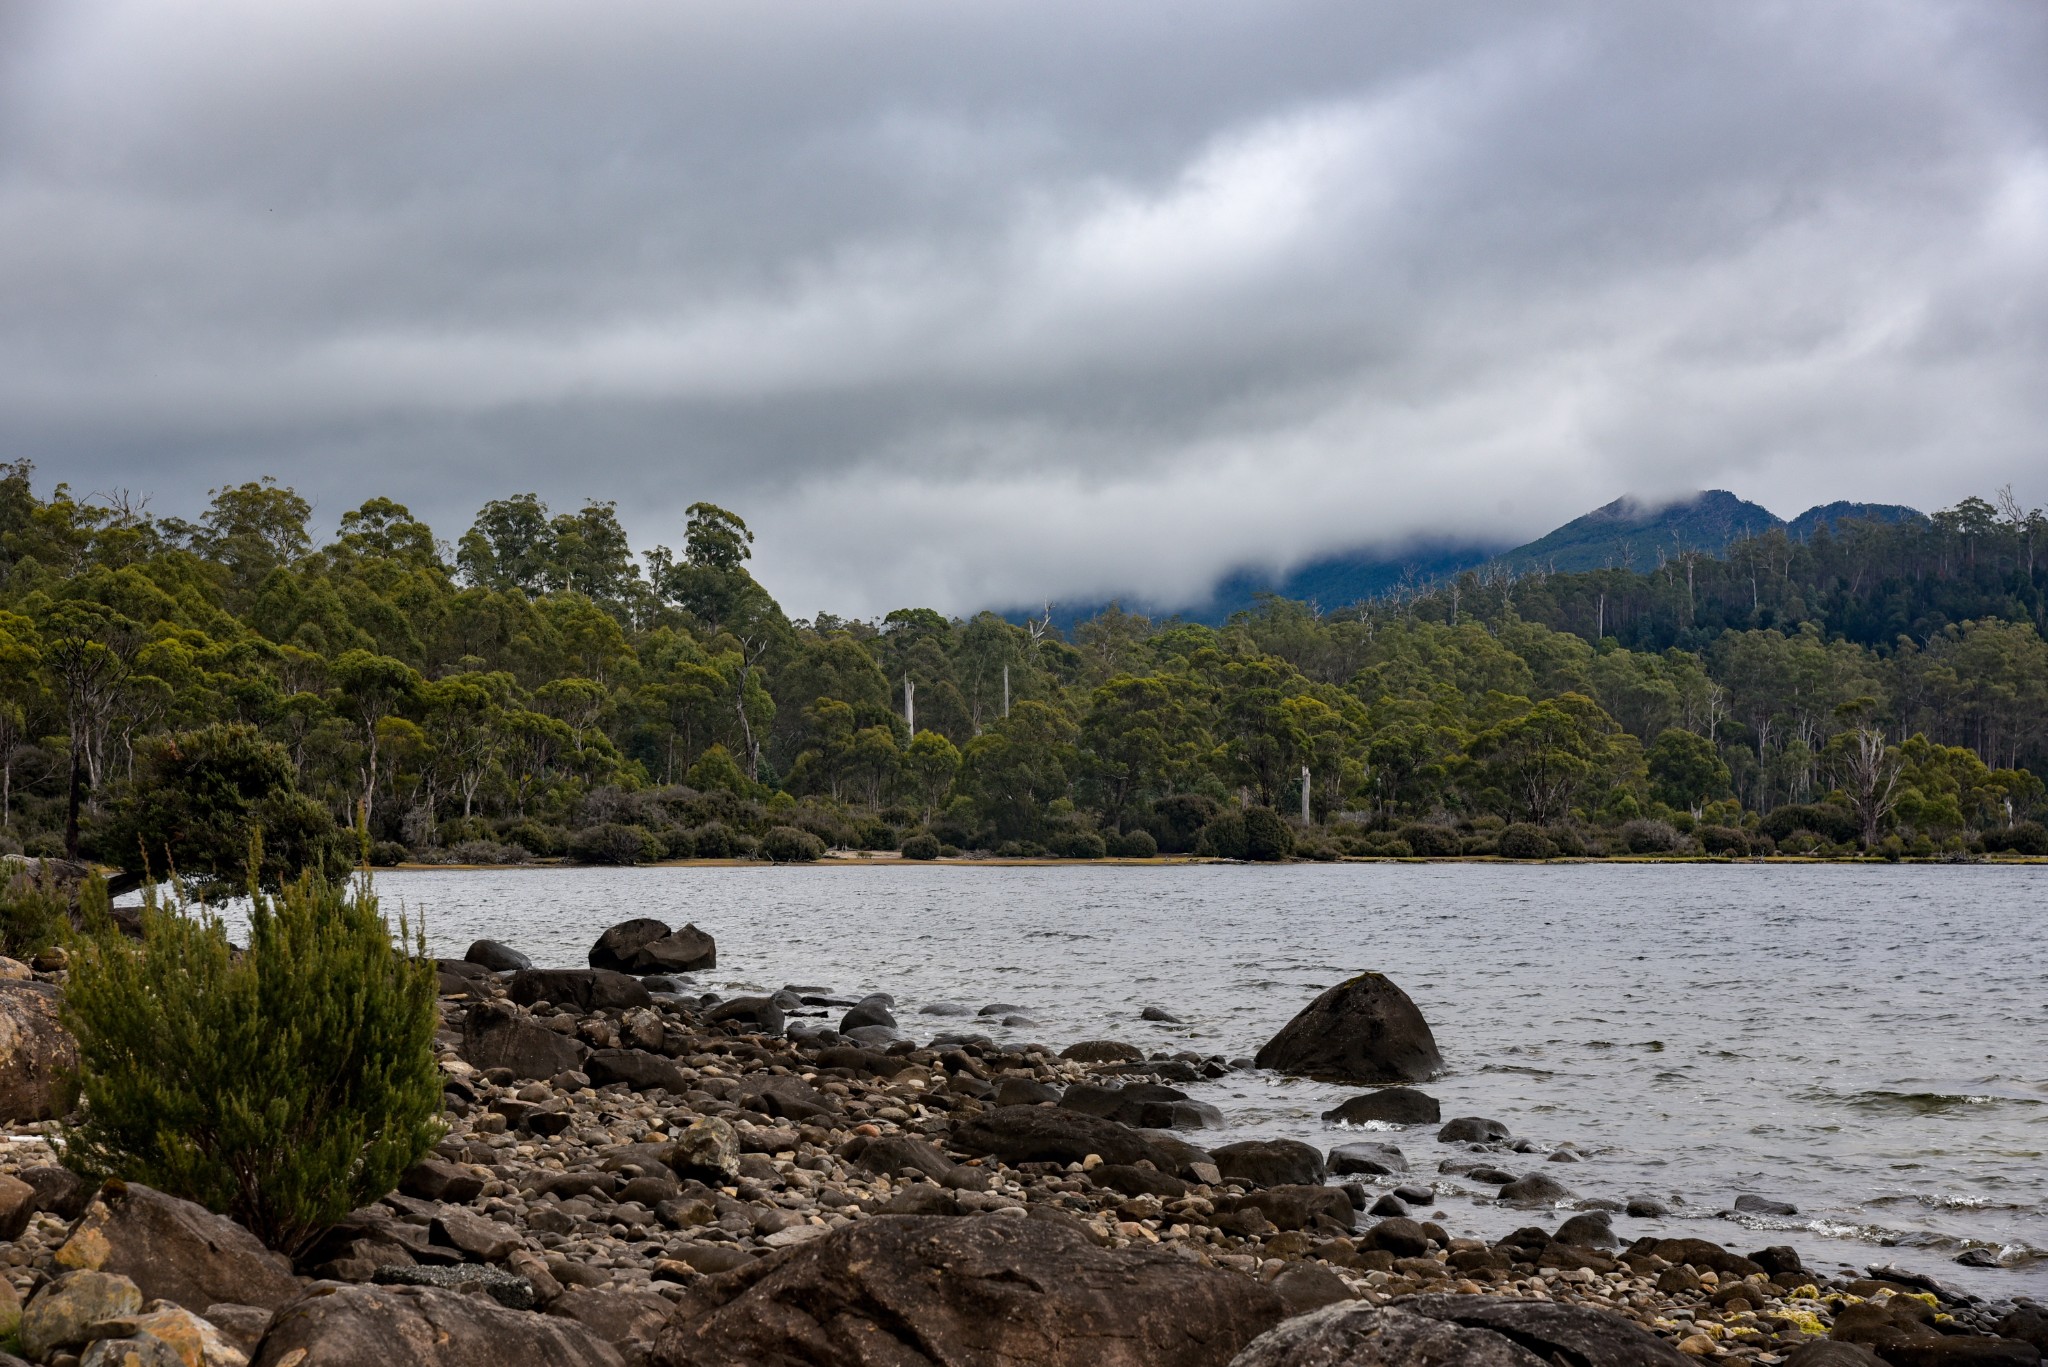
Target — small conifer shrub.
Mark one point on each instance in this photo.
(284, 1085)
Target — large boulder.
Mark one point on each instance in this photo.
(419, 1326)
(586, 989)
(1046, 1134)
(497, 957)
(919, 1291)
(1271, 1163)
(1471, 1331)
(645, 945)
(1363, 1030)
(36, 1053)
(501, 1035)
(175, 1250)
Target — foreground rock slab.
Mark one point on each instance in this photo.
(175, 1250)
(982, 1291)
(1363, 1030)
(1470, 1331)
(416, 1326)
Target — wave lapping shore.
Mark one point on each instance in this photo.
(636, 1175)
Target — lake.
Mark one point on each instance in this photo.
(1864, 1043)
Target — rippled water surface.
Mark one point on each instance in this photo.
(1865, 1043)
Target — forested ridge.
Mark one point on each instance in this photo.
(535, 689)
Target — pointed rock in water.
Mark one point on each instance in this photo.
(1365, 1030)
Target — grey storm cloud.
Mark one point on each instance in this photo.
(964, 305)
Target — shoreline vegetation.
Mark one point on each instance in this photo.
(629, 1171)
(536, 691)
(894, 859)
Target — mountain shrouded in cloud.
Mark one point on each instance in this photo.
(993, 304)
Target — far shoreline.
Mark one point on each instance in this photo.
(892, 859)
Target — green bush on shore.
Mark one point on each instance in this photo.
(284, 1085)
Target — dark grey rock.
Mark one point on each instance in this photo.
(498, 958)
(1763, 1205)
(1373, 1160)
(1472, 1129)
(1270, 1162)
(1535, 1190)
(1364, 1030)
(1388, 1106)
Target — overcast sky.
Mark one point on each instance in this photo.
(972, 303)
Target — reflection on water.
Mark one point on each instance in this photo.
(1864, 1043)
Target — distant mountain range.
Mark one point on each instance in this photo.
(1628, 533)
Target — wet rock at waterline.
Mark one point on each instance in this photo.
(1388, 1106)
(645, 945)
(1363, 1030)
(1270, 1162)
(1472, 1129)
(1371, 1160)
(498, 958)
(585, 989)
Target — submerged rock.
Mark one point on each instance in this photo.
(1364, 1030)
(1389, 1106)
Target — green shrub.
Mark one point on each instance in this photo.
(1223, 837)
(1430, 840)
(677, 843)
(198, 798)
(1524, 841)
(714, 840)
(615, 844)
(923, 845)
(1823, 819)
(34, 914)
(1647, 836)
(1267, 836)
(285, 1085)
(1076, 844)
(537, 839)
(2028, 837)
(384, 854)
(791, 845)
(1723, 840)
(1137, 844)
(1177, 822)
(876, 835)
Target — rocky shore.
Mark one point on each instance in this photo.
(636, 1171)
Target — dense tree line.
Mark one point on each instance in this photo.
(537, 689)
